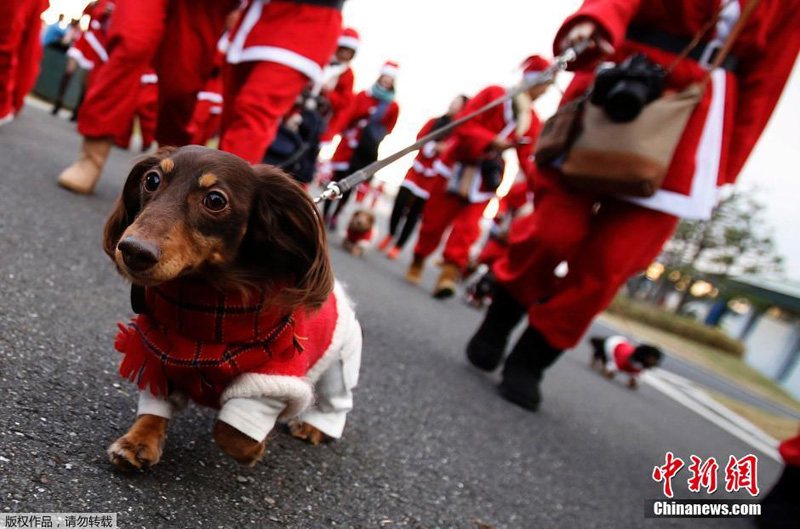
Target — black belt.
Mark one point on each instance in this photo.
(335, 4)
(675, 44)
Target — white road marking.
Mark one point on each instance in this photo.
(686, 393)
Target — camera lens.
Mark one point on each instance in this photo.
(625, 100)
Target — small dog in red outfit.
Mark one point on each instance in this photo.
(237, 305)
(616, 354)
(360, 232)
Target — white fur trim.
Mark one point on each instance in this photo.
(391, 71)
(214, 97)
(340, 166)
(80, 58)
(442, 169)
(429, 149)
(148, 78)
(98, 48)
(348, 42)
(237, 52)
(342, 340)
(415, 189)
(296, 392)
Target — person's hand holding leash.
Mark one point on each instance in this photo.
(598, 44)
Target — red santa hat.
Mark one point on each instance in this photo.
(349, 39)
(391, 69)
(533, 68)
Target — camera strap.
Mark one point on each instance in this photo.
(729, 41)
(725, 49)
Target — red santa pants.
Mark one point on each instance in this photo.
(185, 60)
(603, 249)
(147, 111)
(442, 210)
(20, 51)
(257, 95)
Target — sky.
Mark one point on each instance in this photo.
(447, 47)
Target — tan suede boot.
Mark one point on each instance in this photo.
(81, 176)
(446, 285)
(414, 274)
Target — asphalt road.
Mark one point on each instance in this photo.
(430, 443)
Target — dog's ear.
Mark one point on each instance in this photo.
(286, 241)
(128, 204)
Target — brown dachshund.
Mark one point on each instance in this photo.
(238, 307)
(360, 232)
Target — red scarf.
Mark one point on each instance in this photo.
(198, 339)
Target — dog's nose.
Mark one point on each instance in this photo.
(138, 255)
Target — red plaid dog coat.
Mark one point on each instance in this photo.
(198, 340)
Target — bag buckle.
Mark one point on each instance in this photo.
(709, 53)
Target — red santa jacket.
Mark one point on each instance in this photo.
(339, 96)
(89, 50)
(199, 341)
(420, 176)
(470, 141)
(300, 35)
(352, 123)
(146, 111)
(736, 107)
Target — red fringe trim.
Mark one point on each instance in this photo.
(138, 365)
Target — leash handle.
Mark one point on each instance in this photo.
(335, 190)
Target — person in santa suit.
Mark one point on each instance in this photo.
(146, 111)
(605, 245)
(176, 37)
(470, 171)
(20, 52)
(370, 117)
(277, 49)
(338, 80)
(88, 50)
(416, 186)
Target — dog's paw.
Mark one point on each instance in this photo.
(307, 433)
(142, 446)
(244, 449)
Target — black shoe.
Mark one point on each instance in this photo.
(524, 369)
(485, 349)
(780, 508)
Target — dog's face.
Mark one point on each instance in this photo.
(361, 221)
(206, 213)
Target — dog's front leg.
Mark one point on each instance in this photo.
(243, 425)
(241, 447)
(142, 445)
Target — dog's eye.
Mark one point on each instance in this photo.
(151, 182)
(215, 201)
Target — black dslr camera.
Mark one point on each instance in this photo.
(624, 89)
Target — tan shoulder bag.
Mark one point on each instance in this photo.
(633, 158)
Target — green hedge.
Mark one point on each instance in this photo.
(681, 325)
